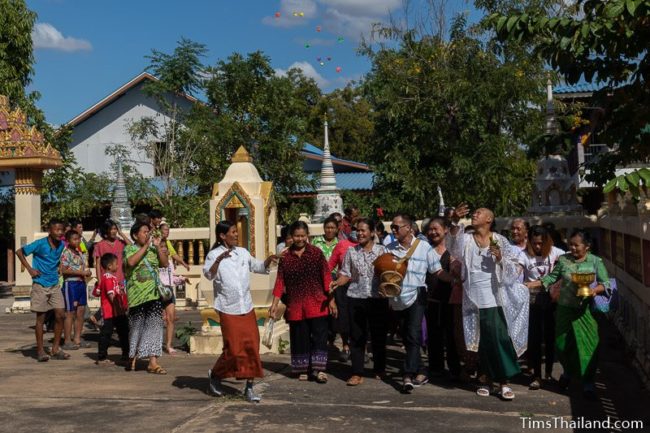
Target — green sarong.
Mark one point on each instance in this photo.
(497, 356)
(576, 340)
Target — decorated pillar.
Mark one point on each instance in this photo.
(24, 150)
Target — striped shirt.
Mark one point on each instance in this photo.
(423, 260)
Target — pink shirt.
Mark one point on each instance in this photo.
(103, 247)
(336, 259)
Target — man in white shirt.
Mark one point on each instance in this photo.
(412, 301)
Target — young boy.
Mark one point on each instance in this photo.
(74, 268)
(155, 218)
(114, 304)
(46, 294)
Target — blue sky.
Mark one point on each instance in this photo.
(85, 49)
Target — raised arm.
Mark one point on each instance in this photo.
(133, 260)
(212, 262)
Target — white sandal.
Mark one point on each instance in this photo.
(483, 391)
(506, 393)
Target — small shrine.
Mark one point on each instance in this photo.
(554, 190)
(243, 198)
(24, 150)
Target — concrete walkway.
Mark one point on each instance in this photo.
(78, 396)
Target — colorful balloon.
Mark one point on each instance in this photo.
(318, 59)
(322, 63)
(307, 45)
(339, 69)
(277, 14)
(295, 14)
(340, 39)
(329, 59)
(302, 14)
(318, 29)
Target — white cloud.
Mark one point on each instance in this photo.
(362, 7)
(344, 81)
(46, 36)
(308, 71)
(350, 18)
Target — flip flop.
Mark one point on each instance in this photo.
(321, 377)
(70, 346)
(483, 391)
(156, 370)
(105, 362)
(43, 357)
(84, 344)
(303, 378)
(60, 355)
(506, 393)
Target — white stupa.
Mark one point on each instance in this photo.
(120, 207)
(328, 199)
(554, 191)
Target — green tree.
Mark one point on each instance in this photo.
(16, 52)
(16, 70)
(254, 107)
(351, 123)
(166, 138)
(453, 113)
(605, 42)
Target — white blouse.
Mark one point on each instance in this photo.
(231, 282)
(535, 267)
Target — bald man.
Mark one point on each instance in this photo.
(495, 303)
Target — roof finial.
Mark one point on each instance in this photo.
(551, 126)
(242, 155)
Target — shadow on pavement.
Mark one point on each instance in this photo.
(200, 384)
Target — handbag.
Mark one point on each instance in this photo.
(602, 303)
(165, 292)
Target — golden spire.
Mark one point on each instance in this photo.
(242, 155)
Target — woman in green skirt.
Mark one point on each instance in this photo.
(576, 330)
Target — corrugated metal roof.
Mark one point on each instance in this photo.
(355, 181)
(578, 88)
(310, 148)
(363, 181)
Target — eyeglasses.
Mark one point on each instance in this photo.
(395, 227)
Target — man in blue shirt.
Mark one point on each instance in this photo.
(46, 293)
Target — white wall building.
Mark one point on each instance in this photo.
(106, 123)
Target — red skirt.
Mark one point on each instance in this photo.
(241, 347)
